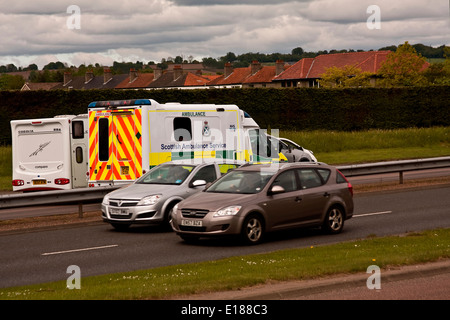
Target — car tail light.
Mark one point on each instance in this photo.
(349, 185)
(18, 182)
(62, 181)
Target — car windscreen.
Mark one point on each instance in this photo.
(241, 182)
(166, 174)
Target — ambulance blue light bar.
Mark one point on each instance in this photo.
(119, 103)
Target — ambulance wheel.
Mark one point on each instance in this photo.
(120, 226)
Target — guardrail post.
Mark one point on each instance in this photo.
(80, 209)
(400, 176)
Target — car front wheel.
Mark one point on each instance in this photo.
(334, 220)
(252, 229)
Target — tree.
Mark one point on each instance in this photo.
(10, 82)
(404, 67)
(348, 76)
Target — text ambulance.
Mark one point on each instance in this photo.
(128, 137)
(50, 153)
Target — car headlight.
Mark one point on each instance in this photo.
(149, 200)
(228, 211)
(105, 200)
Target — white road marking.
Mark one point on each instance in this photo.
(78, 250)
(371, 214)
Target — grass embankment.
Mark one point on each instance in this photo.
(374, 145)
(237, 272)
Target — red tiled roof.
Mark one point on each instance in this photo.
(298, 70)
(142, 81)
(369, 61)
(238, 76)
(195, 80)
(265, 74)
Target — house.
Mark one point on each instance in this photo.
(262, 76)
(32, 86)
(178, 78)
(306, 72)
(255, 75)
(90, 81)
(136, 80)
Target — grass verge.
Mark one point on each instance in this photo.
(243, 271)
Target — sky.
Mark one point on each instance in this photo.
(103, 31)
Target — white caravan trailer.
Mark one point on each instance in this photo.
(50, 153)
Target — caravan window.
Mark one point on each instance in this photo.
(103, 139)
(182, 129)
(77, 130)
(79, 154)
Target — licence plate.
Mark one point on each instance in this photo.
(191, 223)
(39, 182)
(119, 212)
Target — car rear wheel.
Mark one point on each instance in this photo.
(334, 220)
(252, 229)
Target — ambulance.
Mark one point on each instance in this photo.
(129, 137)
(50, 153)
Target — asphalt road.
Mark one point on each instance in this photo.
(43, 256)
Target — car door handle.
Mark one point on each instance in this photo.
(298, 199)
(326, 194)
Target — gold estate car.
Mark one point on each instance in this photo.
(252, 200)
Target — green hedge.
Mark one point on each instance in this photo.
(287, 109)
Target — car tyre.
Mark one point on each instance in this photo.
(334, 220)
(253, 229)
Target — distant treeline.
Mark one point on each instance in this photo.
(298, 109)
(240, 60)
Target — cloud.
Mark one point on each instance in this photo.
(152, 30)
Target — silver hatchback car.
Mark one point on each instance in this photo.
(150, 199)
(255, 199)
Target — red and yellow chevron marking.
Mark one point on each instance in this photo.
(124, 142)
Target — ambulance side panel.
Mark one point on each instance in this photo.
(195, 131)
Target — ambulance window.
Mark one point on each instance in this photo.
(77, 130)
(79, 154)
(182, 129)
(103, 139)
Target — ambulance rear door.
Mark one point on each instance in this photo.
(116, 145)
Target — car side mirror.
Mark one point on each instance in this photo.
(198, 183)
(276, 190)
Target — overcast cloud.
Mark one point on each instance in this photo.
(138, 30)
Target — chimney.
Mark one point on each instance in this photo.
(89, 75)
(107, 75)
(158, 73)
(256, 66)
(67, 77)
(133, 75)
(177, 72)
(228, 69)
(279, 67)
